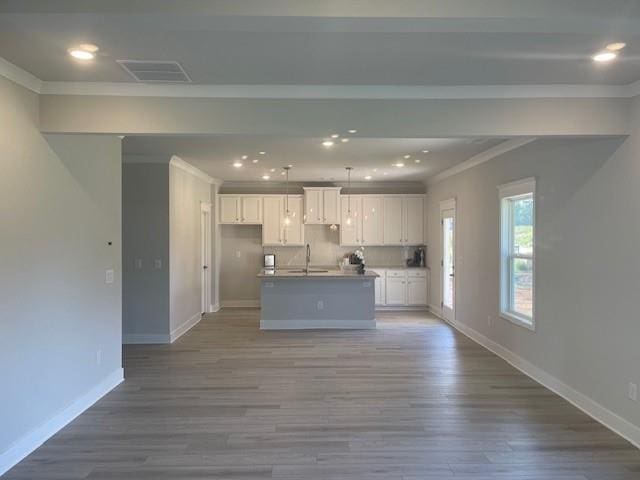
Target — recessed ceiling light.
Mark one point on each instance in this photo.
(344, 140)
(353, 131)
(244, 157)
(398, 164)
(417, 160)
(255, 160)
(384, 173)
(266, 177)
(262, 153)
(425, 151)
(283, 173)
(335, 135)
(407, 157)
(375, 169)
(616, 46)
(237, 164)
(84, 51)
(368, 177)
(603, 57)
(272, 170)
(327, 143)
(290, 166)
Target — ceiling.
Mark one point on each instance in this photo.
(472, 42)
(311, 161)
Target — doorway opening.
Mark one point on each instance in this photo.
(447, 262)
(205, 255)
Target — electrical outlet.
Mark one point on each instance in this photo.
(320, 305)
(633, 391)
(98, 357)
(157, 263)
(109, 276)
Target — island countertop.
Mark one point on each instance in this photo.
(315, 273)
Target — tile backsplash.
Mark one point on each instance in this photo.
(326, 250)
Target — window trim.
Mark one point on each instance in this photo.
(508, 192)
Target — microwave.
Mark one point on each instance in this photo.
(270, 261)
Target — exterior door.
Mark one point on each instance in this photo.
(448, 270)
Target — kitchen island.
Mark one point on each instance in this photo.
(316, 299)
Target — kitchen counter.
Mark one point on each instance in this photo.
(291, 299)
(315, 273)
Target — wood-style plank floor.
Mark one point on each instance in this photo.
(411, 400)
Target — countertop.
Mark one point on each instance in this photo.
(299, 273)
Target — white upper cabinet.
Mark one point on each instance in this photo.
(229, 209)
(394, 219)
(351, 235)
(251, 209)
(313, 211)
(274, 231)
(293, 235)
(241, 209)
(321, 205)
(272, 220)
(372, 224)
(413, 232)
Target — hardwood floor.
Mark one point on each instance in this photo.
(411, 400)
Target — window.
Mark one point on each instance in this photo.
(517, 252)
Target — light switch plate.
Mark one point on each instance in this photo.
(157, 263)
(109, 276)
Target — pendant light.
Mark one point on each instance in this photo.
(349, 221)
(287, 220)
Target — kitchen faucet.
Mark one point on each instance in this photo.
(308, 258)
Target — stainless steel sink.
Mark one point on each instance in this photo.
(311, 270)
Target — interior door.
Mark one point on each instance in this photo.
(448, 280)
(205, 255)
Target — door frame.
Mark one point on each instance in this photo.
(205, 257)
(446, 205)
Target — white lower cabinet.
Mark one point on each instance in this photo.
(397, 287)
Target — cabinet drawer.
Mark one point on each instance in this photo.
(396, 273)
(416, 273)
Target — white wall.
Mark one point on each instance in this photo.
(145, 233)
(186, 194)
(587, 270)
(60, 205)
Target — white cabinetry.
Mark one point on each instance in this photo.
(402, 287)
(241, 209)
(351, 235)
(372, 225)
(393, 220)
(274, 232)
(404, 220)
(321, 205)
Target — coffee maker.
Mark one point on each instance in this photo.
(419, 258)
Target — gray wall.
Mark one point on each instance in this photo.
(145, 233)
(587, 263)
(60, 204)
(186, 193)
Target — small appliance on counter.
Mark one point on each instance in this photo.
(419, 258)
(269, 261)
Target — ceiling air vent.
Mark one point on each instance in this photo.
(149, 71)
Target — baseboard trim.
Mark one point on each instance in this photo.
(145, 338)
(401, 308)
(27, 444)
(436, 311)
(214, 308)
(601, 414)
(316, 324)
(240, 303)
(176, 333)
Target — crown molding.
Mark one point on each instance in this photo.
(372, 92)
(480, 158)
(20, 76)
(187, 167)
